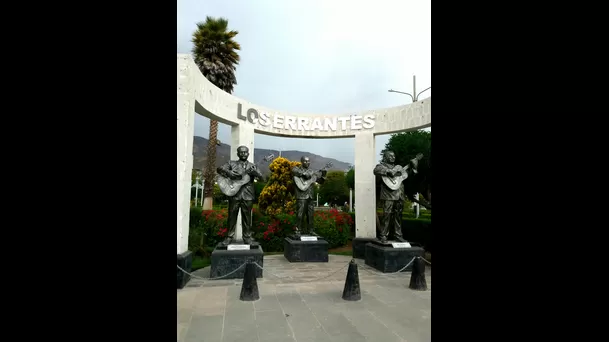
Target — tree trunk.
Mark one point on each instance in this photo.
(210, 169)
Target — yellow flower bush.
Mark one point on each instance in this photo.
(278, 195)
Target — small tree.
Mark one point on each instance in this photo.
(407, 145)
(278, 194)
(219, 196)
(334, 189)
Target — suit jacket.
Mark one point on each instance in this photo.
(246, 192)
(299, 171)
(386, 193)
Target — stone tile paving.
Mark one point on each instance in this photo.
(303, 302)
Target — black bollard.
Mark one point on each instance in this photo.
(351, 291)
(417, 278)
(249, 288)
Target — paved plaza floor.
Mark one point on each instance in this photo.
(303, 302)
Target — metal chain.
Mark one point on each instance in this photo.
(367, 269)
(224, 276)
(403, 268)
(364, 266)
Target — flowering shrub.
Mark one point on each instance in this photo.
(208, 230)
(334, 226)
(278, 195)
(270, 230)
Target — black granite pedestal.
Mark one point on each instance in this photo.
(358, 246)
(185, 262)
(385, 258)
(295, 250)
(224, 261)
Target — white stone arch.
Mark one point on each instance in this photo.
(196, 94)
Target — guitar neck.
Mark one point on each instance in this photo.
(260, 162)
(322, 169)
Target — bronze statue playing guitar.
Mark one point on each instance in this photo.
(392, 196)
(237, 177)
(305, 205)
(304, 178)
(236, 180)
(393, 178)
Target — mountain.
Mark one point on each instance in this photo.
(223, 156)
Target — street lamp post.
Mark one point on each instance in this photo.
(414, 98)
(198, 177)
(414, 90)
(197, 189)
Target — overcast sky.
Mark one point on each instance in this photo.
(323, 57)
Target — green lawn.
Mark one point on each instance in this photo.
(199, 262)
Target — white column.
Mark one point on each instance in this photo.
(185, 119)
(365, 161)
(241, 134)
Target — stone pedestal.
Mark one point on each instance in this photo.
(296, 250)
(185, 262)
(386, 258)
(358, 245)
(225, 260)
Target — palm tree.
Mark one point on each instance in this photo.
(215, 53)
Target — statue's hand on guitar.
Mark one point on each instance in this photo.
(394, 173)
(393, 178)
(234, 175)
(308, 177)
(230, 181)
(250, 169)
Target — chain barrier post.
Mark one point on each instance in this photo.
(351, 290)
(249, 288)
(417, 278)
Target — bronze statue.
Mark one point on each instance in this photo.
(236, 180)
(304, 178)
(392, 195)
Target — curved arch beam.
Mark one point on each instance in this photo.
(215, 103)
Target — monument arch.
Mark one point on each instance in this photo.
(196, 94)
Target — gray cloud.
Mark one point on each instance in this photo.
(325, 57)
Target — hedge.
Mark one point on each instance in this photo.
(209, 227)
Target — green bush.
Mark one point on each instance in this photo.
(207, 229)
(334, 226)
(195, 216)
(423, 214)
(417, 230)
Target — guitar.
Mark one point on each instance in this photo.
(303, 185)
(230, 187)
(395, 182)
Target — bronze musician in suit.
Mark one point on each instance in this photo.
(243, 200)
